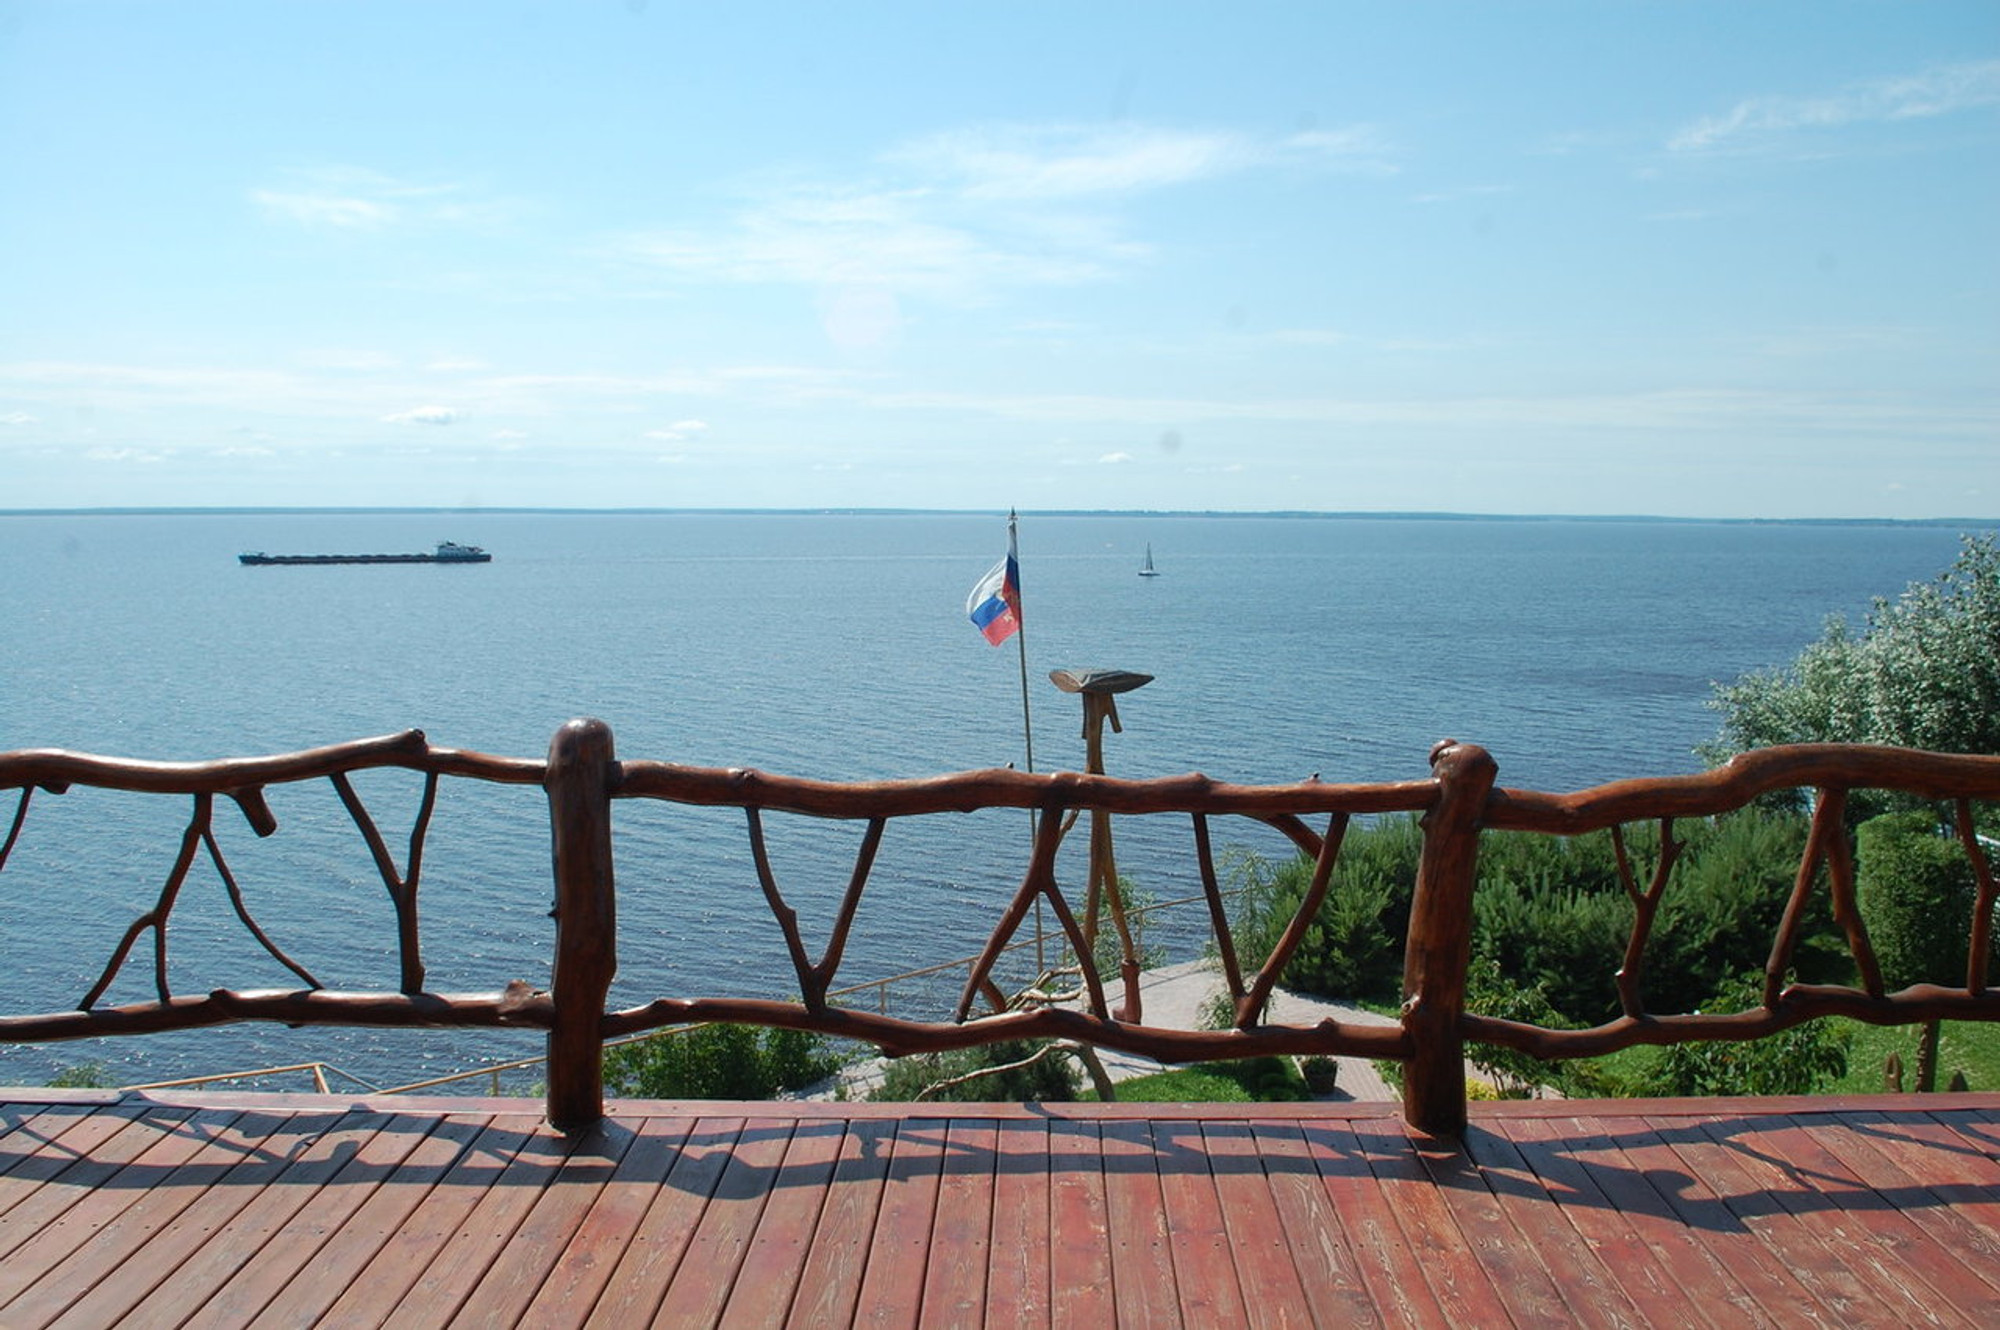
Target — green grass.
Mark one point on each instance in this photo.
(1969, 1046)
(1183, 1086)
(1250, 1080)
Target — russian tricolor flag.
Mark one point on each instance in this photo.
(995, 603)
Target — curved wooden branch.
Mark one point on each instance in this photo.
(787, 917)
(971, 791)
(14, 831)
(156, 918)
(1218, 915)
(1986, 898)
(1798, 1004)
(850, 904)
(1645, 905)
(317, 1006)
(1250, 1005)
(243, 910)
(900, 1038)
(1935, 776)
(402, 888)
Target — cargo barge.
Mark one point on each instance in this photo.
(447, 552)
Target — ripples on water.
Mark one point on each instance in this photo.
(825, 646)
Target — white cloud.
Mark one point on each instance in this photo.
(1934, 92)
(958, 215)
(1057, 162)
(423, 415)
(344, 198)
(1115, 459)
(144, 456)
(678, 432)
(18, 419)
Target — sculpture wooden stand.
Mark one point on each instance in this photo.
(1099, 690)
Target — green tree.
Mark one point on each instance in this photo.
(1924, 672)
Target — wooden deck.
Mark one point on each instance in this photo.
(221, 1210)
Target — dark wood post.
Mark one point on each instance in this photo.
(580, 774)
(1439, 948)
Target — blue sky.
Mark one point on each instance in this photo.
(1691, 259)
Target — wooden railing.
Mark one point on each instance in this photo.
(583, 779)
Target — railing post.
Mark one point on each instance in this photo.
(1438, 950)
(580, 772)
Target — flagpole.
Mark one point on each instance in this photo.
(1021, 638)
(1027, 727)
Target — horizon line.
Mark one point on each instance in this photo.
(1385, 515)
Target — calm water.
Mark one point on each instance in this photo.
(827, 646)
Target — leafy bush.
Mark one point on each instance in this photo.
(1923, 673)
(1916, 893)
(717, 1062)
(1050, 1077)
(1800, 1060)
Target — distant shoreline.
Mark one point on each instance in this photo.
(1269, 514)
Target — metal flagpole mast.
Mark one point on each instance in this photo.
(1021, 640)
(1027, 721)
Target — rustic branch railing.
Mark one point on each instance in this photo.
(582, 780)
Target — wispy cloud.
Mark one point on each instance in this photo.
(1934, 92)
(963, 214)
(423, 415)
(343, 198)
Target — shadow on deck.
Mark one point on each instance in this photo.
(228, 1209)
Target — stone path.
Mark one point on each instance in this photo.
(1173, 997)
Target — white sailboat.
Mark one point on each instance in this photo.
(1146, 569)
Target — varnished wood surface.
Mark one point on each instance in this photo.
(233, 1209)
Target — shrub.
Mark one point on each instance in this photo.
(1353, 948)
(717, 1062)
(1800, 1060)
(1050, 1077)
(1915, 891)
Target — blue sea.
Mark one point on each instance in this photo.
(824, 645)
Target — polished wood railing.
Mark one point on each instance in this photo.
(583, 779)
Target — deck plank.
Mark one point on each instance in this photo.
(962, 1228)
(1448, 1262)
(1081, 1288)
(1253, 1231)
(830, 1285)
(1610, 1235)
(720, 1241)
(1019, 1259)
(642, 1276)
(1723, 1164)
(56, 1171)
(1893, 1224)
(1730, 1280)
(1318, 1241)
(1142, 1259)
(584, 1265)
(768, 1281)
(1527, 1219)
(279, 1158)
(230, 1210)
(892, 1284)
(1390, 1269)
(297, 1274)
(536, 1246)
(169, 1141)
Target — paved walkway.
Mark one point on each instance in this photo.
(1173, 997)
